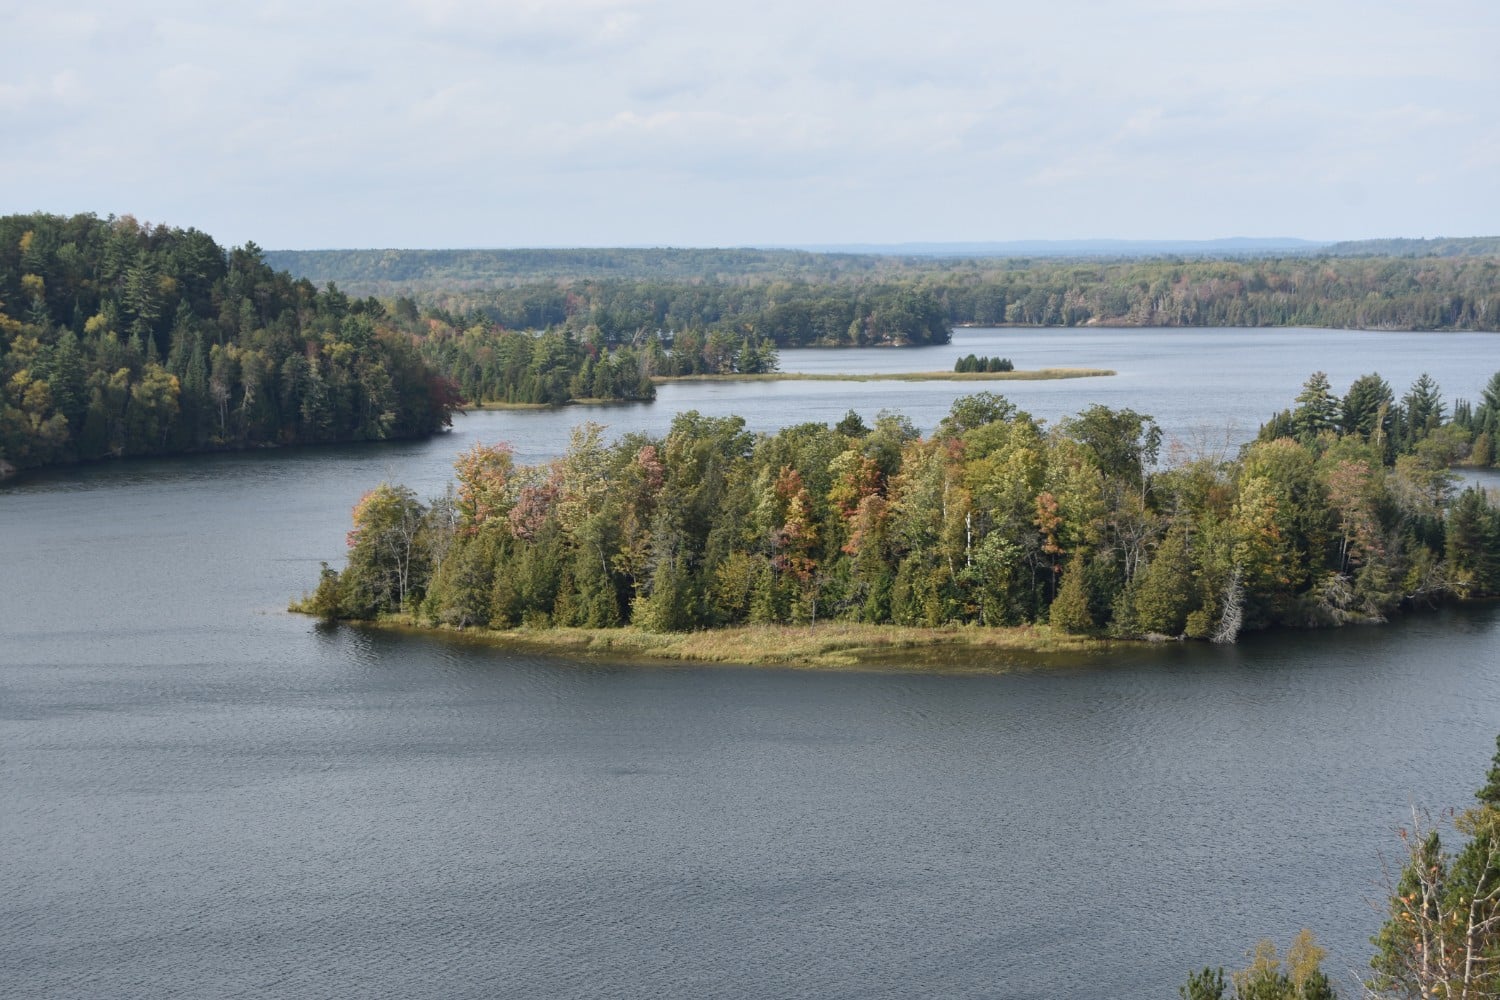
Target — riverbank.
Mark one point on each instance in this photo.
(829, 646)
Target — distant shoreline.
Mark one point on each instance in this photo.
(1034, 375)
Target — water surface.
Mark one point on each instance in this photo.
(201, 795)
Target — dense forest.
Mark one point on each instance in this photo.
(787, 314)
(390, 272)
(563, 364)
(1442, 246)
(922, 301)
(1441, 936)
(1344, 510)
(123, 339)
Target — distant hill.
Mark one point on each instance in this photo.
(392, 271)
(1467, 246)
(389, 273)
(1238, 246)
(386, 271)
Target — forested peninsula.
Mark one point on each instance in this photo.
(121, 339)
(1344, 510)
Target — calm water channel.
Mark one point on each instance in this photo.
(201, 795)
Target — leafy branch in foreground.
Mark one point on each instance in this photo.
(1441, 936)
(1299, 976)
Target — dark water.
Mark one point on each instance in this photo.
(201, 795)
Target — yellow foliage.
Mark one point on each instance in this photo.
(1304, 957)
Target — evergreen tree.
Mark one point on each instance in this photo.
(1317, 408)
(1070, 609)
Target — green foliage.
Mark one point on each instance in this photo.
(327, 600)
(491, 364)
(139, 340)
(970, 363)
(1165, 594)
(1070, 609)
(1268, 977)
(388, 565)
(1206, 985)
(1483, 452)
(1317, 410)
(460, 591)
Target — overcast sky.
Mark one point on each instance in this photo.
(446, 123)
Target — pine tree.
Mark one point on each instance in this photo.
(1070, 609)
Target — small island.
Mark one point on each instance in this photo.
(831, 545)
(1032, 375)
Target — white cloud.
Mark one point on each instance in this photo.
(439, 122)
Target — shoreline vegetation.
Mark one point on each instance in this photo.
(1037, 374)
(1033, 375)
(821, 646)
(996, 531)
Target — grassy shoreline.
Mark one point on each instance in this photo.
(1035, 374)
(1032, 375)
(826, 646)
(500, 404)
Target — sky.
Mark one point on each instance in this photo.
(459, 123)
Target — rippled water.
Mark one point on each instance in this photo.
(201, 795)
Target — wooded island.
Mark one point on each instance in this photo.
(1343, 510)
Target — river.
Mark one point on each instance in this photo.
(201, 795)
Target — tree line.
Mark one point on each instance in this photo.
(1374, 293)
(392, 272)
(993, 519)
(906, 300)
(983, 363)
(490, 363)
(785, 313)
(922, 306)
(118, 338)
